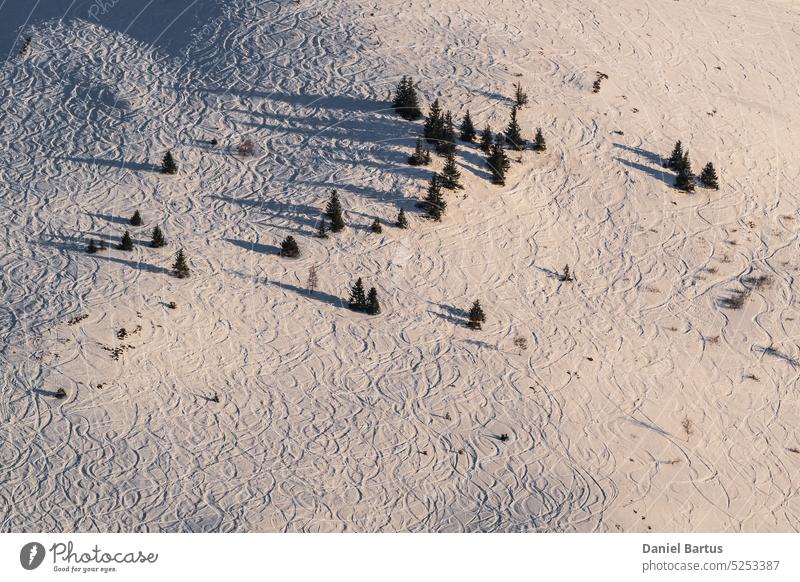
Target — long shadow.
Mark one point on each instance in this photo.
(550, 273)
(340, 102)
(301, 214)
(655, 173)
(477, 163)
(651, 157)
(454, 315)
(316, 295)
(770, 351)
(255, 247)
(113, 219)
(121, 164)
(43, 392)
(141, 266)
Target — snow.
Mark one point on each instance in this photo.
(641, 403)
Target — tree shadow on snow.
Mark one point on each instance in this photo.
(255, 247)
(651, 157)
(316, 295)
(654, 172)
(121, 164)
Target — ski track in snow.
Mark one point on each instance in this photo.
(641, 404)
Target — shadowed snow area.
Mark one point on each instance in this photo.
(657, 391)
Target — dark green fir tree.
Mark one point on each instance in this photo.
(373, 307)
(405, 100)
(289, 248)
(498, 163)
(476, 316)
(168, 165)
(708, 177)
(434, 124)
(685, 178)
(447, 141)
(376, 226)
(334, 212)
(92, 247)
(358, 299)
(468, 132)
(421, 156)
(126, 244)
(434, 203)
(181, 265)
(402, 221)
(158, 239)
(538, 142)
(520, 96)
(451, 176)
(676, 157)
(136, 219)
(514, 132)
(487, 139)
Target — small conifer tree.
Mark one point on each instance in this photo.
(136, 219)
(487, 139)
(708, 177)
(434, 203)
(334, 212)
(434, 124)
(289, 248)
(498, 163)
(376, 226)
(181, 265)
(126, 244)
(451, 176)
(158, 239)
(538, 142)
(402, 221)
(520, 97)
(468, 132)
(447, 140)
(421, 156)
(676, 157)
(476, 316)
(358, 299)
(405, 100)
(514, 132)
(26, 44)
(373, 307)
(168, 165)
(313, 278)
(92, 247)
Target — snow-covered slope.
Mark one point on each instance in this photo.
(641, 404)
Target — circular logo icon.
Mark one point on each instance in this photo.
(31, 555)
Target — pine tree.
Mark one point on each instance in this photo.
(92, 247)
(376, 226)
(708, 177)
(181, 266)
(373, 307)
(676, 157)
(313, 278)
(358, 300)
(498, 163)
(476, 316)
(26, 44)
(405, 100)
(538, 142)
(158, 239)
(126, 244)
(468, 132)
(514, 132)
(434, 203)
(451, 176)
(566, 276)
(434, 124)
(487, 139)
(685, 178)
(447, 140)
(289, 248)
(334, 212)
(168, 165)
(136, 219)
(421, 156)
(520, 97)
(322, 231)
(402, 221)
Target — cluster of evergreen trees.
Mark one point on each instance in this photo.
(405, 100)
(366, 302)
(679, 162)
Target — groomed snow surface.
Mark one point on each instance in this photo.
(643, 402)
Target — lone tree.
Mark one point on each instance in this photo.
(91, 248)
(376, 226)
(447, 140)
(434, 203)
(476, 316)
(514, 132)
(498, 163)
(313, 279)
(158, 239)
(566, 275)
(676, 157)
(468, 132)
(126, 244)
(487, 139)
(358, 299)
(26, 44)
(434, 124)
(402, 221)
(334, 212)
(373, 307)
(538, 142)
(168, 165)
(289, 248)
(181, 266)
(685, 178)
(322, 230)
(451, 176)
(136, 219)
(520, 96)
(421, 156)
(405, 100)
(708, 177)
